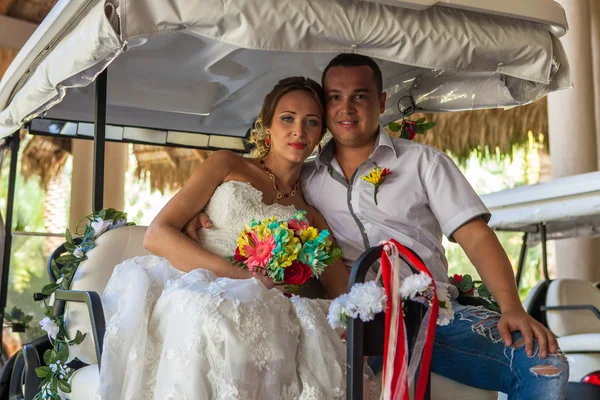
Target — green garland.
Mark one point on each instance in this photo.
(56, 373)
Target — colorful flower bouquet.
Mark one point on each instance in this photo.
(290, 252)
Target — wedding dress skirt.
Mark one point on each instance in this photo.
(174, 335)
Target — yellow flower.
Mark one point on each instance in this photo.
(242, 242)
(309, 233)
(376, 176)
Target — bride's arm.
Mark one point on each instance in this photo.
(164, 236)
(336, 276)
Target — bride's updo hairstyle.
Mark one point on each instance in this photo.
(258, 134)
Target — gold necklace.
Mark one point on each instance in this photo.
(279, 194)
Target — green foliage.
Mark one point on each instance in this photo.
(17, 315)
(408, 129)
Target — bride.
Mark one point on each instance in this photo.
(186, 324)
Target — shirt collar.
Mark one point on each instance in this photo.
(328, 152)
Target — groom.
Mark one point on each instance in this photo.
(425, 197)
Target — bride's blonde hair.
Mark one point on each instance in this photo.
(258, 134)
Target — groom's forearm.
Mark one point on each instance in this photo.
(484, 250)
(335, 279)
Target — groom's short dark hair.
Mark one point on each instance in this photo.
(355, 60)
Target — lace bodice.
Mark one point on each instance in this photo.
(233, 205)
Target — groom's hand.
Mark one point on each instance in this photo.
(200, 220)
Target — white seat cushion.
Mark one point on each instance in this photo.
(112, 248)
(589, 342)
(446, 389)
(570, 292)
(84, 385)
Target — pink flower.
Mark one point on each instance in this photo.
(260, 254)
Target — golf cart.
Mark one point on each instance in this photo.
(193, 73)
(559, 209)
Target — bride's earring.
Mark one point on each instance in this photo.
(268, 140)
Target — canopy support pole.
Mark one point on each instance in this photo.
(544, 252)
(10, 202)
(99, 142)
(522, 257)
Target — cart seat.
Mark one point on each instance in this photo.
(112, 248)
(564, 295)
(535, 300)
(585, 343)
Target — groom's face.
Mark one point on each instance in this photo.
(353, 105)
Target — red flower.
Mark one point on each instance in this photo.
(237, 256)
(297, 274)
(457, 278)
(411, 132)
(385, 172)
(471, 291)
(297, 225)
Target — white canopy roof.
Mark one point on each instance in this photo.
(197, 66)
(568, 206)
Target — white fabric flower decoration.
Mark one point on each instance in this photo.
(446, 313)
(337, 312)
(365, 300)
(50, 327)
(100, 226)
(78, 252)
(414, 285)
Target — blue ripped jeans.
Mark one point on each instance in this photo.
(469, 350)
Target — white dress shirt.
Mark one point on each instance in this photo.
(425, 197)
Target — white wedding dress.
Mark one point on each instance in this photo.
(174, 335)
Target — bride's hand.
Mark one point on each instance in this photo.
(268, 282)
(199, 220)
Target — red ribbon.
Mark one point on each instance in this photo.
(400, 360)
(401, 351)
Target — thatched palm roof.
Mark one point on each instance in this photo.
(485, 131)
(44, 157)
(28, 10)
(6, 57)
(167, 168)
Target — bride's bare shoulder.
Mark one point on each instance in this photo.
(226, 158)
